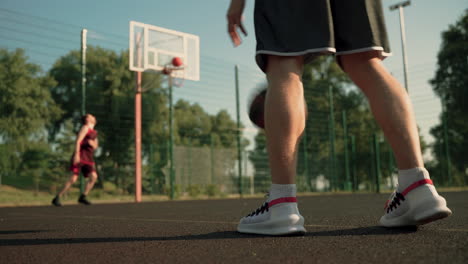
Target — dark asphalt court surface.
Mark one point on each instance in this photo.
(341, 229)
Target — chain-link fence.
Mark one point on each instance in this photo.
(342, 148)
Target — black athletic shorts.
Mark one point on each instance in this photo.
(309, 28)
(85, 167)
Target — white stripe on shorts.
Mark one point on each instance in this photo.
(325, 49)
(298, 53)
(384, 54)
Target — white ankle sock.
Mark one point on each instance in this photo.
(408, 177)
(281, 190)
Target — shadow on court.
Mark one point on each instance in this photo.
(12, 232)
(363, 231)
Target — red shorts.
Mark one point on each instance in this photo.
(86, 168)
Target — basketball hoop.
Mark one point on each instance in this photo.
(176, 71)
(172, 53)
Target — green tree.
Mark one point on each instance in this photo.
(27, 109)
(110, 97)
(35, 164)
(450, 84)
(224, 128)
(110, 94)
(196, 127)
(192, 124)
(26, 106)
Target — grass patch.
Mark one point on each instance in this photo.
(11, 196)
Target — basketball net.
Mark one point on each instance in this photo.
(177, 80)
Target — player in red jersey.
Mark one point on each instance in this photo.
(82, 159)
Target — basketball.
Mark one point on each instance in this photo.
(177, 62)
(257, 109)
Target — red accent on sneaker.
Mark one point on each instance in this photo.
(386, 204)
(416, 185)
(282, 200)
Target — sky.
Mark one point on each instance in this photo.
(47, 29)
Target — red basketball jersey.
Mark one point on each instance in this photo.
(86, 150)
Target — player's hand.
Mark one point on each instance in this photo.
(234, 18)
(76, 159)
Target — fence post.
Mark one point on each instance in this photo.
(377, 163)
(212, 159)
(447, 153)
(443, 177)
(190, 162)
(332, 138)
(391, 165)
(151, 174)
(330, 158)
(83, 90)
(246, 173)
(171, 140)
(239, 153)
(354, 160)
(306, 162)
(345, 146)
(372, 159)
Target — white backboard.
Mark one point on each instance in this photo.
(152, 48)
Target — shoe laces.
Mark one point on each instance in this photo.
(264, 207)
(394, 201)
(260, 210)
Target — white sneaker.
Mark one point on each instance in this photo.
(416, 205)
(277, 217)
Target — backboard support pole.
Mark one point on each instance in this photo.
(138, 138)
(138, 133)
(83, 90)
(171, 138)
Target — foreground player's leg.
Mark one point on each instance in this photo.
(284, 124)
(415, 200)
(92, 178)
(68, 184)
